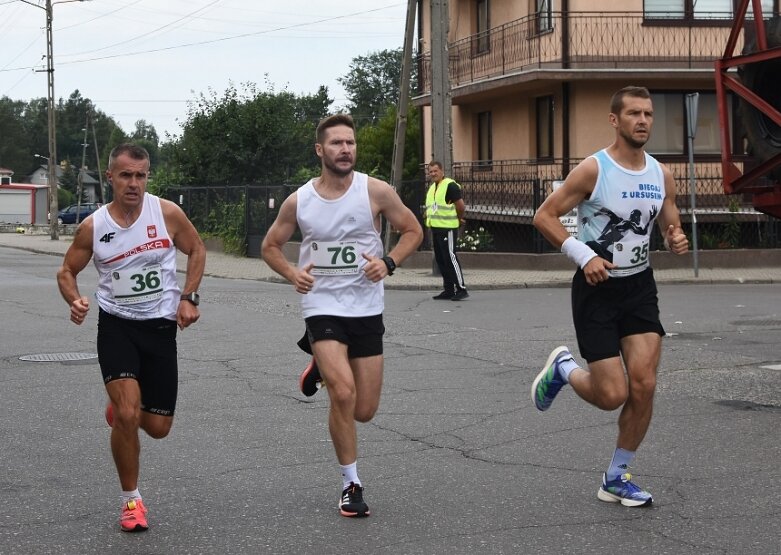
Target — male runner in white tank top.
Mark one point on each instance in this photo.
(133, 240)
(340, 272)
(619, 192)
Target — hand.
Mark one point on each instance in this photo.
(79, 309)
(187, 313)
(596, 270)
(303, 280)
(375, 268)
(675, 240)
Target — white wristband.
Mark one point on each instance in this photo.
(577, 251)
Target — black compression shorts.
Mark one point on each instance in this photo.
(143, 350)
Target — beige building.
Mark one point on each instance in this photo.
(531, 82)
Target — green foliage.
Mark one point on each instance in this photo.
(476, 240)
(227, 222)
(375, 146)
(65, 198)
(68, 179)
(246, 136)
(25, 132)
(730, 235)
(372, 85)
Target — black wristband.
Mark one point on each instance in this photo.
(391, 265)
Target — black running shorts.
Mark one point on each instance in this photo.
(613, 309)
(363, 336)
(143, 350)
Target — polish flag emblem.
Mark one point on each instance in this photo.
(151, 231)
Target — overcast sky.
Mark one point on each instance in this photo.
(145, 59)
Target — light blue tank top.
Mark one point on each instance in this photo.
(617, 219)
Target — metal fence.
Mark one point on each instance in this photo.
(501, 199)
(572, 40)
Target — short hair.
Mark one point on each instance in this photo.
(136, 152)
(333, 121)
(436, 163)
(617, 102)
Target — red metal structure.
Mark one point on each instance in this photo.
(758, 181)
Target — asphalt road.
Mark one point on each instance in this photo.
(456, 461)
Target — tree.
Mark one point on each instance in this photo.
(246, 136)
(375, 146)
(145, 135)
(373, 84)
(14, 143)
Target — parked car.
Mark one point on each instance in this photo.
(68, 215)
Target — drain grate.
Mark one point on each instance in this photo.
(58, 357)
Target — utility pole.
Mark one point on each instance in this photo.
(101, 196)
(80, 187)
(441, 101)
(53, 202)
(403, 107)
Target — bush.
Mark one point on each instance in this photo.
(478, 240)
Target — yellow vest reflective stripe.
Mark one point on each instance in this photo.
(438, 212)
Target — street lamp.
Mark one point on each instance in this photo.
(52, 159)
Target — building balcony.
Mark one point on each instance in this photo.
(568, 45)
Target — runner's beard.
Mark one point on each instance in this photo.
(333, 168)
(635, 143)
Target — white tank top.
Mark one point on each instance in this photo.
(618, 217)
(136, 265)
(335, 233)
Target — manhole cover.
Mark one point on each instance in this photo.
(58, 357)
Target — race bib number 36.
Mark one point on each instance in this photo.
(137, 285)
(334, 258)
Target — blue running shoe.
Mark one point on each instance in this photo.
(623, 490)
(549, 381)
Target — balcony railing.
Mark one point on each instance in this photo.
(582, 40)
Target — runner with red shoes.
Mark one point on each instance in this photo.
(133, 242)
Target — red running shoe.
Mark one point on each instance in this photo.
(133, 517)
(311, 380)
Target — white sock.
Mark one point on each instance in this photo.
(349, 474)
(128, 495)
(566, 366)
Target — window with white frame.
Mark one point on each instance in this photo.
(543, 15)
(483, 27)
(698, 9)
(668, 133)
(544, 136)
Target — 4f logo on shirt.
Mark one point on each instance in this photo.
(151, 231)
(107, 237)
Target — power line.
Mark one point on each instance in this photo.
(213, 41)
(137, 37)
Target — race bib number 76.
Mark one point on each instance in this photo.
(334, 258)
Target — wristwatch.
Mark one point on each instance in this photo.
(193, 297)
(390, 264)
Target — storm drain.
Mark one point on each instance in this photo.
(59, 357)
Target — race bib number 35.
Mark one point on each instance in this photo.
(137, 285)
(631, 257)
(334, 258)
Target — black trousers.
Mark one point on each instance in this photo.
(445, 254)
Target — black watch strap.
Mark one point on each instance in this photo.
(390, 264)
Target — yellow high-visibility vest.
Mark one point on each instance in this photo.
(438, 212)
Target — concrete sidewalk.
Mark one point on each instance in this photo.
(219, 264)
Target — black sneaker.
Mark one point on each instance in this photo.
(444, 296)
(310, 380)
(460, 295)
(351, 503)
